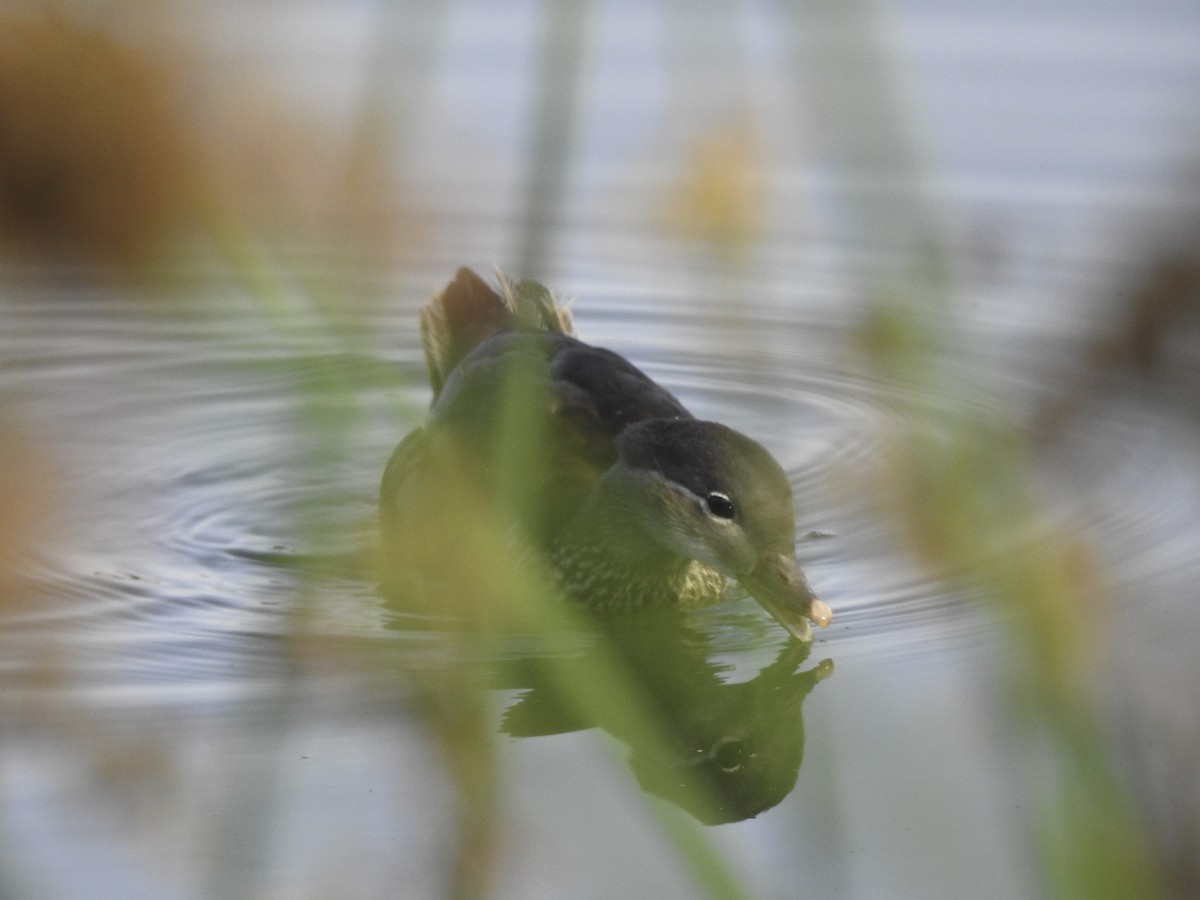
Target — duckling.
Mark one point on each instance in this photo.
(628, 500)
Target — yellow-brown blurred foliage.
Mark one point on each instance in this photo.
(962, 494)
(291, 178)
(960, 490)
(1161, 303)
(117, 141)
(720, 196)
(95, 165)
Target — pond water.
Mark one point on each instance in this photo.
(194, 707)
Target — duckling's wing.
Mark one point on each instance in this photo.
(618, 392)
(589, 394)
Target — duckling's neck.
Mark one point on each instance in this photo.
(591, 572)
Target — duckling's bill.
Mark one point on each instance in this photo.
(779, 586)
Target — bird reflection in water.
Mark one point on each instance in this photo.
(731, 750)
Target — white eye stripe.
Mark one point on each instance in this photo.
(715, 505)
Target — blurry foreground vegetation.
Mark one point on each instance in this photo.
(115, 156)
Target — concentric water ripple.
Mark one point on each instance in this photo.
(201, 494)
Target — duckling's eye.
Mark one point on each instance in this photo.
(720, 506)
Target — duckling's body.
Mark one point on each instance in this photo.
(629, 500)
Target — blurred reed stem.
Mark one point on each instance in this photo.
(963, 487)
(564, 40)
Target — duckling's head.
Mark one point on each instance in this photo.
(706, 492)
